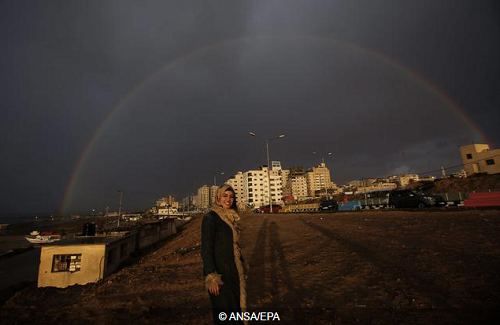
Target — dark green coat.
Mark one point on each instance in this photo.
(217, 252)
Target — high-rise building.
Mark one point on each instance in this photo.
(213, 194)
(295, 183)
(252, 187)
(236, 182)
(318, 179)
(188, 202)
(203, 197)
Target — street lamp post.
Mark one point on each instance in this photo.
(215, 177)
(320, 178)
(120, 207)
(268, 166)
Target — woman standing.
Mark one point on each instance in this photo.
(222, 260)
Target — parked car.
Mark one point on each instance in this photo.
(412, 199)
(328, 205)
(350, 206)
(265, 209)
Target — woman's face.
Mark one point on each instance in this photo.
(227, 199)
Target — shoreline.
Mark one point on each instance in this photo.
(12, 240)
(11, 243)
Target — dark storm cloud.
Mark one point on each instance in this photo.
(329, 74)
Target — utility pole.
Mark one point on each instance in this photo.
(269, 178)
(120, 207)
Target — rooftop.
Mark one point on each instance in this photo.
(89, 240)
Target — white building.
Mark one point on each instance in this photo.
(252, 187)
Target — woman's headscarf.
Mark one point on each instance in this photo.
(220, 192)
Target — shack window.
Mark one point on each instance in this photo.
(490, 161)
(469, 156)
(67, 263)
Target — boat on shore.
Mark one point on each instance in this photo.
(42, 238)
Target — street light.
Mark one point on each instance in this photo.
(215, 177)
(320, 178)
(268, 165)
(120, 192)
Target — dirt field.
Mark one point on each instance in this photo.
(370, 267)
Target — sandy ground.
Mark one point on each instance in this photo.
(370, 267)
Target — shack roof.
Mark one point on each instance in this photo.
(90, 240)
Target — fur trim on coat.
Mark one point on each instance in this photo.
(212, 280)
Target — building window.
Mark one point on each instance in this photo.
(490, 162)
(469, 156)
(67, 263)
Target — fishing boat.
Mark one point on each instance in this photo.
(36, 238)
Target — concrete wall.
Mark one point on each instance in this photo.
(301, 207)
(152, 233)
(92, 265)
(118, 252)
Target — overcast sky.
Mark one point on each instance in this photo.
(170, 89)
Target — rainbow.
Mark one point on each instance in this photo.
(433, 88)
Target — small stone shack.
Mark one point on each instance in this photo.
(87, 259)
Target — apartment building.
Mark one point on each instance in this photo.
(167, 201)
(252, 187)
(203, 197)
(295, 183)
(478, 158)
(212, 194)
(188, 202)
(318, 179)
(404, 180)
(236, 182)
